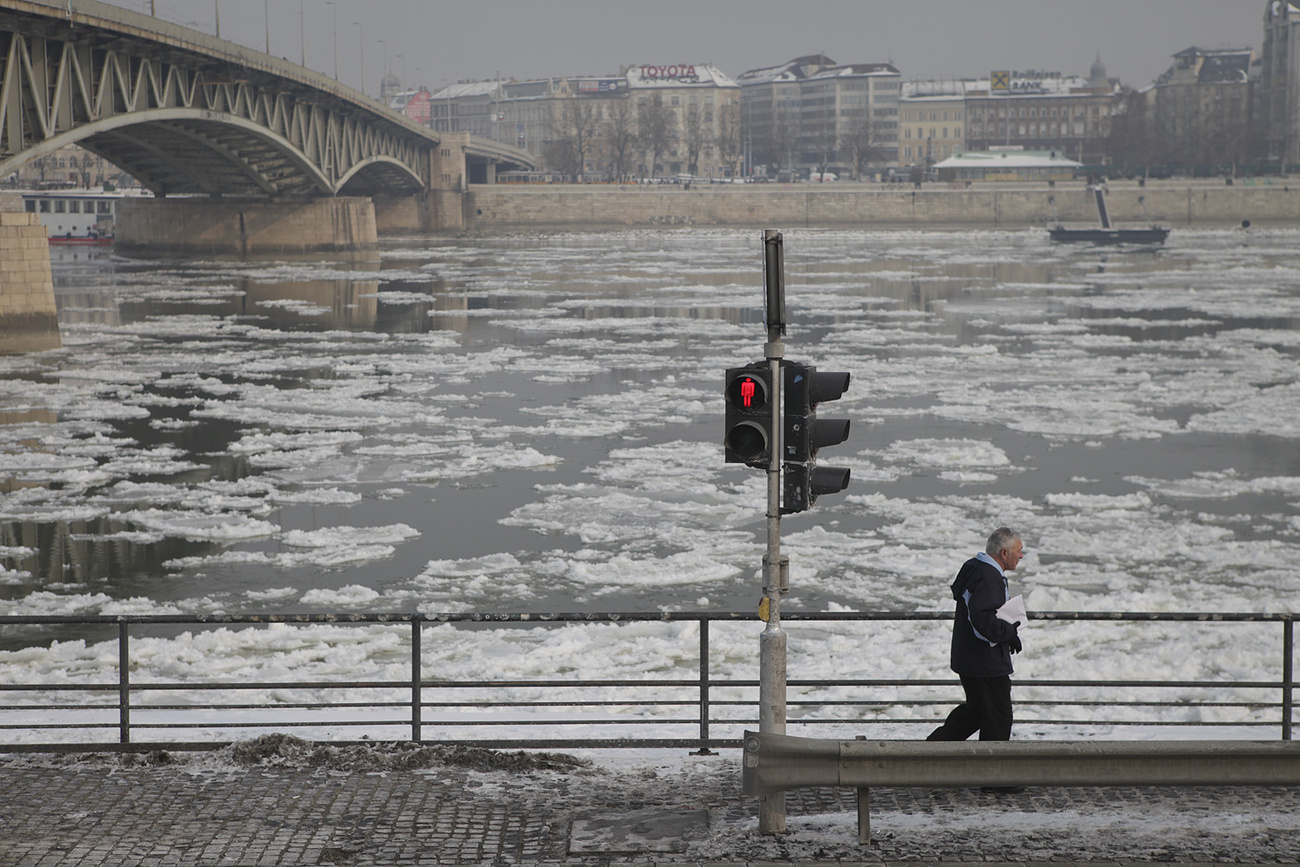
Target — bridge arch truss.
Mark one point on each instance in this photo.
(187, 114)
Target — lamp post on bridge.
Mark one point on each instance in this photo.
(361, 43)
(334, 11)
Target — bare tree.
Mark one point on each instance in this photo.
(573, 138)
(864, 144)
(728, 138)
(782, 138)
(825, 141)
(695, 137)
(656, 130)
(1132, 139)
(620, 138)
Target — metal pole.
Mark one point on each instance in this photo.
(334, 10)
(266, 19)
(772, 642)
(123, 684)
(416, 698)
(361, 40)
(302, 35)
(704, 687)
(216, 5)
(1288, 676)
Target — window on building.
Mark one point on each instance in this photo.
(60, 206)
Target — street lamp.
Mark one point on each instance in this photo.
(334, 12)
(266, 19)
(216, 5)
(302, 34)
(361, 42)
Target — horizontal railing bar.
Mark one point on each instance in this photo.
(528, 618)
(477, 696)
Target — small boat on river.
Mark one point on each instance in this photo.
(1105, 233)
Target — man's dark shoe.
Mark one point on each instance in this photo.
(1002, 790)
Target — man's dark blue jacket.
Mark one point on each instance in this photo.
(980, 590)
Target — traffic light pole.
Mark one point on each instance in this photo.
(772, 642)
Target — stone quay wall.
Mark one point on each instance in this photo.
(506, 207)
(199, 226)
(28, 318)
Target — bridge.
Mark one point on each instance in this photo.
(192, 115)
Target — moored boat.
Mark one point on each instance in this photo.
(1105, 233)
(83, 217)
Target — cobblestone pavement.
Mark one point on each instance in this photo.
(204, 809)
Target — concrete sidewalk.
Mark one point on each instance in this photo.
(322, 807)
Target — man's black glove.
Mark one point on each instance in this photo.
(1014, 644)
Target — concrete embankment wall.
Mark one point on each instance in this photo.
(166, 227)
(28, 318)
(505, 207)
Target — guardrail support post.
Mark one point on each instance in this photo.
(123, 684)
(864, 815)
(704, 690)
(416, 698)
(1288, 675)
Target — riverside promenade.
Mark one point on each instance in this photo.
(280, 801)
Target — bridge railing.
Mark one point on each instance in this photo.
(413, 677)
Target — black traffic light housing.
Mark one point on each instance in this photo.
(804, 387)
(749, 435)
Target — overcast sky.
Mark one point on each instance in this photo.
(437, 42)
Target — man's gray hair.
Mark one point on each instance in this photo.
(1003, 537)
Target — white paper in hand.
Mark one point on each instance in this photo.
(1014, 611)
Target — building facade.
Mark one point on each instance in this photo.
(1043, 111)
(1279, 83)
(687, 119)
(931, 122)
(770, 113)
(1200, 110)
(849, 118)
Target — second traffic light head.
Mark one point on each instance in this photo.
(805, 387)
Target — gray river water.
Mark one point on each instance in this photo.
(534, 423)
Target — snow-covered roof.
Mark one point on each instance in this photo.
(1007, 160)
(467, 88)
(785, 73)
(849, 70)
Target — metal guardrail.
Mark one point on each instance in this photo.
(773, 763)
(705, 695)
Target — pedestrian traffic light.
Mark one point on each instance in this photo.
(805, 434)
(749, 436)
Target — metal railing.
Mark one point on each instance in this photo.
(701, 712)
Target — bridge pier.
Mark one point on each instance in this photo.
(29, 321)
(203, 226)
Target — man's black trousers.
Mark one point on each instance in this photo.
(987, 710)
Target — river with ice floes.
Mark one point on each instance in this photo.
(533, 423)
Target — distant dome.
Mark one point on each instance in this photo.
(1097, 74)
(389, 85)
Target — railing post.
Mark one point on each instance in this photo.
(416, 723)
(704, 686)
(123, 684)
(1288, 675)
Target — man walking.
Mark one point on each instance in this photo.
(982, 643)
